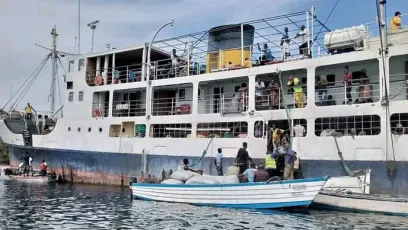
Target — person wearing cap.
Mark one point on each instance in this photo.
(295, 85)
(395, 23)
(285, 44)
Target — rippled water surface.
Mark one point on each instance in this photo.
(35, 206)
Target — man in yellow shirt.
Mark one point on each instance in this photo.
(395, 23)
(29, 111)
(297, 88)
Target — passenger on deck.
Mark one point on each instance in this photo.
(330, 100)
(243, 158)
(174, 61)
(243, 90)
(304, 40)
(276, 138)
(399, 130)
(247, 63)
(249, 172)
(347, 83)
(43, 168)
(290, 158)
(261, 175)
(186, 167)
(299, 129)
(266, 54)
(321, 87)
(273, 89)
(285, 44)
(29, 112)
(259, 90)
(39, 124)
(218, 162)
(395, 23)
(297, 88)
(230, 65)
(258, 129)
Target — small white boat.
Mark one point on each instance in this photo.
(276, 194)
(29, 179)
(352, 194)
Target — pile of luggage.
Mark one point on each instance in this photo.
(189, 177)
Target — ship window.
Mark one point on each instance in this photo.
(222, 130)
(100, 130)
(399, 123)
(71, 96)
(81, 65)
(114, 130)
(71, 66)
(182, 94)
(81, 96)
(70, 85)
(89, 129)
(69, 129)
(79, 129)
(348, 126)
(170, 131)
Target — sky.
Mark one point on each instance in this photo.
(125, 23)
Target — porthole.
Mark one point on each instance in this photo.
(69, 129)
(100, 130)
(79, 129)
(123, 130)
(89, 129)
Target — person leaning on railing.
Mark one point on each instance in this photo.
(29, 111)
(395, 23)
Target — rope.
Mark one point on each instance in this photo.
(321, 28)
(28, 78)
(286, 109)
(203, 154)
(345, 167)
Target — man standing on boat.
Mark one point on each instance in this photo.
(243, 158)
(29, 112)
(290, 159)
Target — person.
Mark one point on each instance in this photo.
(367, 87)
(290, 158)
(29, 111)
(243, 93)
(298, 129)
(294, 83)
(399, 129)
(247, 63)
(330, 100)
(243, 158)
(230, 65)
(259, 89)
(249, 172)
(39, 124)
(321, 86)
(186, 167)
(273, 88)
(43, 168)
(304, 40)
(347, 83)
(261, 175)
(270, 164)
(276, 137)
(266, 54)
(395, 23)
(258, 129)
(26, 161)
(174, 61)
(218, 162)
(285, 44)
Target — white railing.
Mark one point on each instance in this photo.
(172, 106)
(116, 75)
(129, 108)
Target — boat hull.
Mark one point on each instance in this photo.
(118, 168)
(361, 203)
(284, 194)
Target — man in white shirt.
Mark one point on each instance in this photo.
(303, 40)
(299, 129)
(259, 89)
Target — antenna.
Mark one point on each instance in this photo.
(54, 66)
(79, 26)
(92, 25)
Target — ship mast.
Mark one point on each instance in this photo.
(54, 58)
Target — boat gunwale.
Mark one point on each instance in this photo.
(297, 181)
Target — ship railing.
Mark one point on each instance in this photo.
(358, 125)
(172, 106)
(100, 110)
(230, 102)
(115, 75)
(373, 29)
(366, 90)
(129, 108)
(398, 87)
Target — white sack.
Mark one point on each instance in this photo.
(213, 180)
(172, 181)
(183, 175)
(233, 170)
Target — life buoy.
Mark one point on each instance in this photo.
(97, 112)
(98, 80)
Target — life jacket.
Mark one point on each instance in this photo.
(270, 162)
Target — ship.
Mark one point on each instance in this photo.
(139, 111)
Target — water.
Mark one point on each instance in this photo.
(35, 206)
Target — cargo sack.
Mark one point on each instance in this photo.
(213, 180)
(172, 181)
(183, 175)
(233, 171)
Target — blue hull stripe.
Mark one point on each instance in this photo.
(317, 179)
(247, 206)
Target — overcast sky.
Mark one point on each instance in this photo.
(126, 23)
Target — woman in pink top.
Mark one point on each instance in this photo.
(274, 94)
